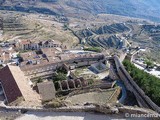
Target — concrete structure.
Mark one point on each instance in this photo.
(98, 67)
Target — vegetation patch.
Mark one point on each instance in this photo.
(61, 74)
(56, 103)
(148, 83)
(149, 64)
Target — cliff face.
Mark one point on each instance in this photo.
(149, 9)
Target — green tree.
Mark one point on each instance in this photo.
(149, 64)
(148, 83)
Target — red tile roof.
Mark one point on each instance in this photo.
(16, 85)
(9, 84)
(25, 42)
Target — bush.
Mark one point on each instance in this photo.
(149, 64)
(60, 76)
(62, 70)
(54, 103)
(39, 80)
(90, 81)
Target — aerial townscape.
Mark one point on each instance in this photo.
(79, 60)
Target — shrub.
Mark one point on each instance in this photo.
(55, 103)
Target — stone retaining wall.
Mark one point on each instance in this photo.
(141, 97)
(106, 109)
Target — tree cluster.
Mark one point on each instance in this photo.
(147, 82)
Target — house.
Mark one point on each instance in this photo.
(24, 44)
(16, 86)
(51, 44)
(46, 90)
(28, 45)
(48, 52)
(30, 55)
(7, 55)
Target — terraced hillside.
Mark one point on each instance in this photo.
(17, 27)
(146, 36)
(35, 28)
(105, 36)
(106, 42)
(153, 31)
(12, 24)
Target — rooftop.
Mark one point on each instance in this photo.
(55, 59)
(25, 42)
(28, 55)
(49, 52)
(16, 85)
(46, 90)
